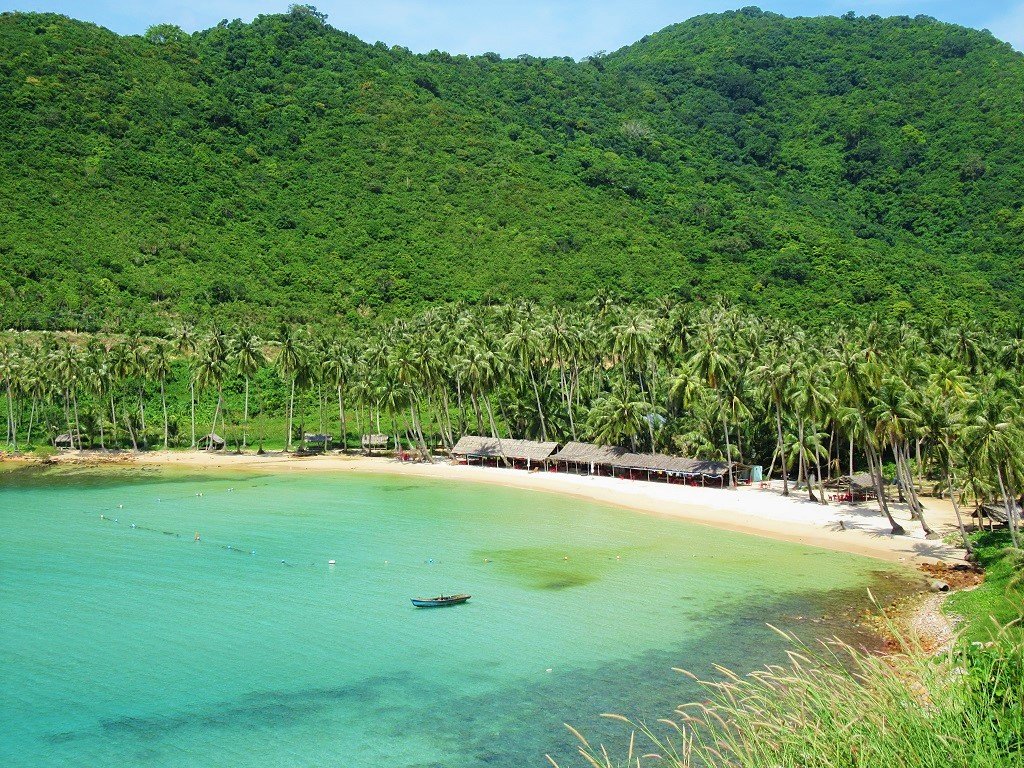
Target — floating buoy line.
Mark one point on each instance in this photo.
(234, 549)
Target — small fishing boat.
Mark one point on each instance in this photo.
(437, 602)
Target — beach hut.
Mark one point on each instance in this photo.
(615, 461)
(317, 442)
(858, 487)
(494, 452)
(211, 442)
(67, 440)
(371, 443)
(586, 458)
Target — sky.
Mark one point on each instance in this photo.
(574, 28)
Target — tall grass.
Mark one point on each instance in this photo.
(834, 706)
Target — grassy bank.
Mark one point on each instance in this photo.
(999, 600)
(834, 706)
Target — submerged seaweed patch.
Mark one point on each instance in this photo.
(549, 568)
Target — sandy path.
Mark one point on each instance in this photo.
(855, 528)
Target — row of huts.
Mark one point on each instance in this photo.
(601, 460)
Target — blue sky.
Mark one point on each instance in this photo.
(555, 27)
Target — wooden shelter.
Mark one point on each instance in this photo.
(67, 440)
(317, 442)
(857, 487)
(371, 443)
(211, 442)
(996, 515)
(491, 451)
(615, 461)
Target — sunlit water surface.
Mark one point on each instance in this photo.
(125, 645)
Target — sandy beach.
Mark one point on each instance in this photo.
(855, 528)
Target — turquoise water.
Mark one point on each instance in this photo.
(140, 646)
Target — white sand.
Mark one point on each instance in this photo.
(855, 528)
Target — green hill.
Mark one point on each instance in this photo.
(816, 168)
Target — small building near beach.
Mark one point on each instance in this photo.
(211, 442)
(615, 461)
(67, 440)
(317, 443)
(371, 443)
(499, 452)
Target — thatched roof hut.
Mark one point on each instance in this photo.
(476, 446)
(619, 458)
(370, 442)
(588, 453)
(67, 440)
(860, 482)
(212, 441)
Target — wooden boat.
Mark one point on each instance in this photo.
(440, 600)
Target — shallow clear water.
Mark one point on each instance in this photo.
(140, 646)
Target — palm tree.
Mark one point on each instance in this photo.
(290, 363)
(619, 415)
(247, 353)
(211, 370)
(10, 365)
(521, 344)
(187, 341)
(775, 374)
(160, 369)
(337, 369)
(992, 443)
(714, 365)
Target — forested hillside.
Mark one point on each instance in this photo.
(284, 170)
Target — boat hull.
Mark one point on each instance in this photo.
(439, 602)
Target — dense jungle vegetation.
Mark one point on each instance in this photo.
(814, 168)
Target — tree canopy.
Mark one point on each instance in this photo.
(815, 168)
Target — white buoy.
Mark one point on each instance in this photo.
(330, 562)
(548, 669)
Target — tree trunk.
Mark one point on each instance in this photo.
(782, 449)
(956, 507)
(78, 426)
(728, 449)
(1011, 508)
(163, 401)
(245, 416)
(341, 422)
(192, 404)
(291, 413)
(540, 410)
(213, 428)
(875, 468)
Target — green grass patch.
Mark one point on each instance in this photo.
(999, 600)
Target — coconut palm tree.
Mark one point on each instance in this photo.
(775, 374)
(161, 369)
(247, 356)
(290, 364)
(619, 415)
(186, 341)
(212, 369)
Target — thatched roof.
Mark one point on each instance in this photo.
(316, 438)
(610, 455)
(585, 453)
(213, 438)
(67, 438)
(375, 441)
(489, 447)
(860, 481)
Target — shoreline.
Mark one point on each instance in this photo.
(858, 529)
